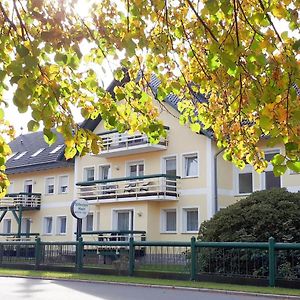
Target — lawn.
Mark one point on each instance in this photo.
(148, 281)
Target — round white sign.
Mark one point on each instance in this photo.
(79, 208)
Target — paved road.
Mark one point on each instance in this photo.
(37, 289)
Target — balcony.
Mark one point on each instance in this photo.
(158, 187)
(118, 144)
(27, 201)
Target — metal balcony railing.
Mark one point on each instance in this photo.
(156, 187)
(114, 142)
(26, 200)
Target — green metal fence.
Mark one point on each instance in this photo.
(268, 261)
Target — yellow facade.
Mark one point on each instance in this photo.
(162, 216)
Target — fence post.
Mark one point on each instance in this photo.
(79, 254)
(37, 252)
(272, 262)
(131, 256)
(193, 258)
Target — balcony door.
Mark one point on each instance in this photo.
(123, 220)
(28, 186)
(25, 225)
(170, 169)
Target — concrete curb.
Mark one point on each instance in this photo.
(161, 286)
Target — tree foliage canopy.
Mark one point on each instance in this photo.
(231, 51)
(264, 214)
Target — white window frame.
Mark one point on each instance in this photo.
(11, 188)
(114, 218)
(163, 220)
(59, 184)
(269, 168)
(132, 163)
(104, 165)
(84, 173)
(46, 186)
(186, 155)
(28, 180)
(184, 219)
(58, 225)
(163, 163)
(5, 223)
(44, 226)
(84, 222)
(247, 169)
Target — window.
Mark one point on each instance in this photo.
(169, 168)
(20, 155)
(190, 167)
(190, 220)
(89, 174)
(56, 149)
(49, 185)
(245, 183)
(135, 169)
(62, 225)
(169, 223)
(88, 223)
(123, 220)
(28, 184)
(48, 224)
(7, 226)
(25, 225)
(11, 187)
(63, 184)
(269, 179)
(37, 152)
(245, 180)
(104, 172)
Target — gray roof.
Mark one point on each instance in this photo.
(30, 143)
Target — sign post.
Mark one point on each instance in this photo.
(79, 210)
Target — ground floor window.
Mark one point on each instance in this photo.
(48, 225)
(169, 220)
(123, 220)
(190, 220)
(7, 226)
(61, 225)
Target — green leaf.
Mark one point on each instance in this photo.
(213, 61)
(49, 136)
(294, 166)
(278, 159)
(119, 74)
(1, 114)
(22, 50)
(60, 58)
(279, 170)
(195, 127)
(33, 126)
(291, 146)
(265, 123)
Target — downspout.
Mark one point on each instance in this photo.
(216, 178)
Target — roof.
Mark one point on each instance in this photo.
(171, 99)
(32, 153)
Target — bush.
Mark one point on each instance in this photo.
(257, 217)
(263, 214)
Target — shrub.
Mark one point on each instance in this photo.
(257, 217)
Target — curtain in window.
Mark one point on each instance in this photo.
(63, 225)
(191, 165)
(123, 221)
(171, 221)
(48, 225)
(192, 220)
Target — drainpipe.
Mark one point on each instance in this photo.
(216, 178)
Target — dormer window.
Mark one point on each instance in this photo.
(56, 149)
(37, 152)
(20, 155)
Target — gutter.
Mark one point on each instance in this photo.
(216, 179)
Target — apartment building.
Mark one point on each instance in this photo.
(40, 192)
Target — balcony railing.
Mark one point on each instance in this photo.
(25, 200)
(116, 144)
(148, 187)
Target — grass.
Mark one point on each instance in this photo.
(150, 281)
